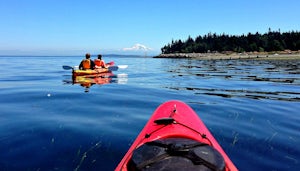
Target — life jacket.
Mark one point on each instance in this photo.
(86, 64)
(99, 63)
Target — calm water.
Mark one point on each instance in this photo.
(48, 123)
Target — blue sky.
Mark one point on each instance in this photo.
(74, 27)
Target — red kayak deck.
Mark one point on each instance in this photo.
(175, 119)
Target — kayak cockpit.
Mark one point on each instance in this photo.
(176, 154)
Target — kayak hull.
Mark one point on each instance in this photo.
(94, 72)
(175, 119)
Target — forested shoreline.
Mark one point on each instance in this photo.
(211, 42)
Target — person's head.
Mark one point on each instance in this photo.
(87, 56)
(99, 56)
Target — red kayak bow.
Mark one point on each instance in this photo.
(175, 138)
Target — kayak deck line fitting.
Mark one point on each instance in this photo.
(169, 120)
(175, 138)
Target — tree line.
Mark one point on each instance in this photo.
(267, 42)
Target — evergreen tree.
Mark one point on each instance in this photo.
(271, 41)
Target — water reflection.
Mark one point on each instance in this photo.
(238, 78)
(100, 79)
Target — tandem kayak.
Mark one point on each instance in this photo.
(98, 71)
(95, 72)
(175, 138)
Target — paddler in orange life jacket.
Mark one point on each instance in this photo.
(87, 63)
(99, 63)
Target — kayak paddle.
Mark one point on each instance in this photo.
(111, 68)
(67, 67)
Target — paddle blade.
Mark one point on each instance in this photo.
(116, 67)
(122, 66)
(67, 67)
(113, 68)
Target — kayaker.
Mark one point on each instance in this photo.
(99, 63)
(87, 63)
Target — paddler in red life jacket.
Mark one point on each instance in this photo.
(99, 63)
(87, 63)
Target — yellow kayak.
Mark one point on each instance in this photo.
(79, 72)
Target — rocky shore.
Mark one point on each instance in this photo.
(223, 56)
